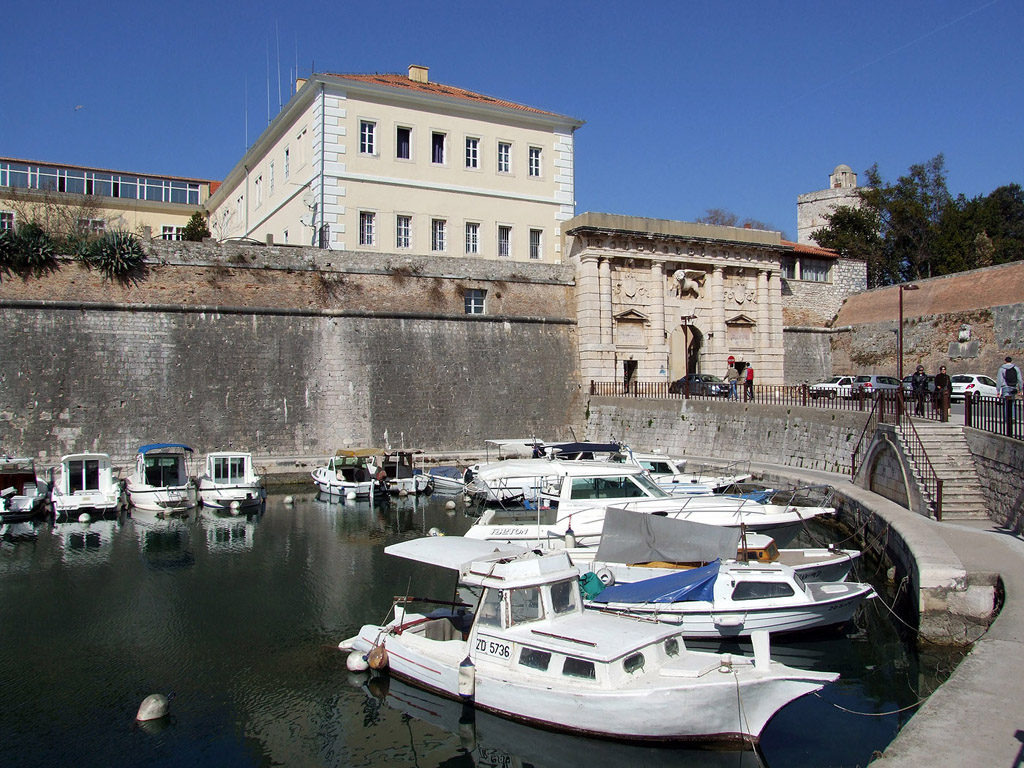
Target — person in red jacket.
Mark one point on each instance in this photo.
(748, 383)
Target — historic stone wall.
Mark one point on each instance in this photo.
(802, 437)
(810, 303)
(808, 355)
(1000, 464)
(285, 352)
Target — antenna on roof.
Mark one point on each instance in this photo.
(277, 30)
(246, 113)
(268, 80)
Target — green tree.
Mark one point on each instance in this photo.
(196, 229)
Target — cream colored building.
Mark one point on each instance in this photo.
(66, 199)
(395, 163)
(659, 299)
(813, 208)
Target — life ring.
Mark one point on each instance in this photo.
(606, 576)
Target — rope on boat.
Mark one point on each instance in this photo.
(743, 719)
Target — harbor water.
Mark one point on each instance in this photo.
(237, 620)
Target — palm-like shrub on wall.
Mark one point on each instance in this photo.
(118, 255)
(34, 249)
(8, 248)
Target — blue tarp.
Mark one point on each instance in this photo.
(693, 584)
(158, 446)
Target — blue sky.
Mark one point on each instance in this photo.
(688, 105)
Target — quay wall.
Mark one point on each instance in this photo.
(1000, 464)
(281, 351)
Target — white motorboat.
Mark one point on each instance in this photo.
(651, 545)
(349, 474)
(447, 480)
(23, 495)
(726, 599)
(401, 475)
(570, 498)
(87, 484)
(230, 482)
(528, 651)
(161, 481)
(672, 475)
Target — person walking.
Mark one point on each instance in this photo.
(748, 383)
(1008, 379)
(733, 377)
(919, 386)
(943, 389)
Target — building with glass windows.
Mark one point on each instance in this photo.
(66, 199)
(396, 163)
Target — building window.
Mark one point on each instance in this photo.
(367, 137)
(403, 231)
(91, 226)
(814, 270)
(7, 220)
(535, 250)
(788, 267)
(287, 164)
(403, 143)
(257, 187)
(171, 233)
(438, 235)
(535, 161)
(285, 240)
(504, 157)
(270, 173)
(504, 241)
(367, 220)
(472, 238)
(472, 153)
(437, 142)
(238, 206)
(475, 301)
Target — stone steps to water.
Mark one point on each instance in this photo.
(951, 460)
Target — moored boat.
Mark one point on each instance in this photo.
(528, 651)
(23, 494)
(87, 483)
(161, 481)
(401, 476)
(230, 481)
(349, 474)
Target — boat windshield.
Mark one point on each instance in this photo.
(615, 487)
(525, 605)
(564, 597)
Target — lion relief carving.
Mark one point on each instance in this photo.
(689, 282)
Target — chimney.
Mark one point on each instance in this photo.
(418, 73)
(299, 82)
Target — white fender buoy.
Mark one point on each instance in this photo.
(449, 505)
(84, 518)
(351, 495)
(403, 493)
(153, 707)
(467, 679)
(435, 532)
(235, 505)
(356, 662)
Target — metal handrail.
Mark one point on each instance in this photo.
(915, 448)
(869, 427)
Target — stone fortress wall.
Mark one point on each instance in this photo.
(285, 351)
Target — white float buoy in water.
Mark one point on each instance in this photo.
(84, 518)
(449, 505)
(356, 662)
(351, 495)
(234, 504)
(403, 493)
(153, 707)
(289, 500)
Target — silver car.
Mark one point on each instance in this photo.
(868, 385)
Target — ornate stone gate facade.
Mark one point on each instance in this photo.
(658, 299)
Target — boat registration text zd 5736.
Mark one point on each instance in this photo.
(488, 646)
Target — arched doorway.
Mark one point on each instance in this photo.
(685, 345)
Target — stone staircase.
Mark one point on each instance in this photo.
(950, 457)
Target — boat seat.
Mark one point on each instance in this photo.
(9, 491)
(441, 629)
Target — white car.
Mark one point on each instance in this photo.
(837, 386)
(976, 384)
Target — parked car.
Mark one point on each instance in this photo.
(908, 388)
(837, 386)
(700, 384)
(976, 384)
(870, 384)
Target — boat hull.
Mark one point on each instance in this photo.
(167, 499)
(245, 496)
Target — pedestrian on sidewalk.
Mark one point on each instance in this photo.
(748, 383)
(943, 386)
(733, 377)
(919, 386)
(1008, 379)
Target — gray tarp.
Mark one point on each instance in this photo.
(633, 537)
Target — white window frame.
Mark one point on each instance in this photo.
(815, 270)
(270, 174)
(257, 188)
(87, 226)
(439, 235)
(403, 235)
(534, 162)
(170, 232)
(536, 243)
(504, 240)
(504, 157)
(472, 153)
(367, 229)
(368, 137)
(287, 159)
(472, 238)
(475, 301)
(7, 220)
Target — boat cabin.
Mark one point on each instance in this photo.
(17, 477)
(353, 466)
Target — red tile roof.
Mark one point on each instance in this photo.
(811, 250)
(439, 89)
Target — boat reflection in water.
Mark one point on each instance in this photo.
(228, 531)
(165, 542)
(88, 541)
(495, 741)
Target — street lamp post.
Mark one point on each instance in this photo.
(899, 342)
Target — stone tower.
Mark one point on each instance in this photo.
(812, 207)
